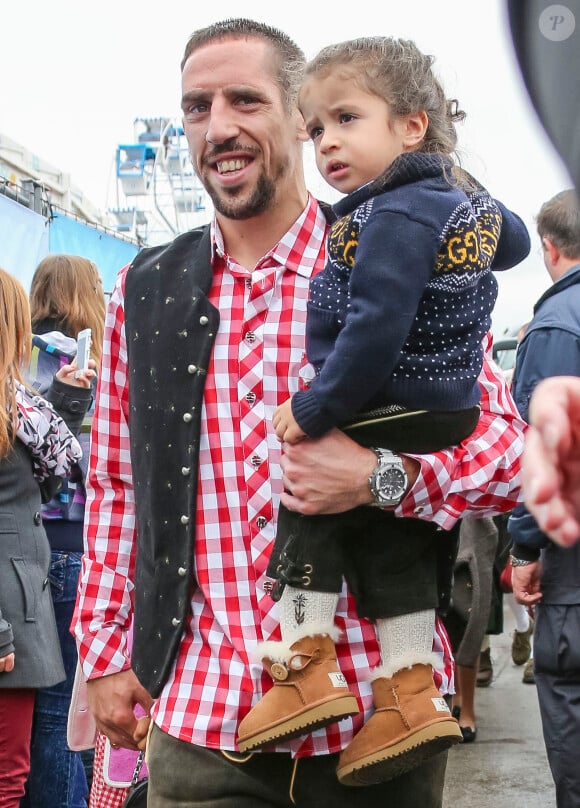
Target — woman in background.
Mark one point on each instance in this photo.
(37, 449)
(66, 296)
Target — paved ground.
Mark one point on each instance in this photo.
(506, 766)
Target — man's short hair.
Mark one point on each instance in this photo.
(559, 221)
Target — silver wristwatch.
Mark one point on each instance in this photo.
(388, 481)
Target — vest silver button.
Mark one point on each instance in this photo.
(203, 320)
(184, 520)
(185, 470)
(175, 622)
(187, 417)
(182, 572)
(192, 369)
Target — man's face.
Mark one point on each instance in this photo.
(242, 140)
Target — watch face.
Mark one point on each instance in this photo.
(391, 483)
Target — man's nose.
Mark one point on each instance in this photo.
(222, 124)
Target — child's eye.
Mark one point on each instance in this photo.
(315, 132)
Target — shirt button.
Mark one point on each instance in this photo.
(419, 509)
(250, 336)
(182, 572)
(255, 461)
(187, 417)
(261, 521)
(251, 398)
(37, 518)
(175, 622)
(203, 320)
(192, 369)
(184, 520)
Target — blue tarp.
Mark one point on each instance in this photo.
(27, 237)
(76, 238)
(23, 239)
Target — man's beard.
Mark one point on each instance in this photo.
(229, 205)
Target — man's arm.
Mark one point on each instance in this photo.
(104, 603)
(480, 476)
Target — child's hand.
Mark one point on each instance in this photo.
(141, 732)
(286, 426)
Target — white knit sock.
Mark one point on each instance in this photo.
(520, 613)
(406, 640)
(303, 611)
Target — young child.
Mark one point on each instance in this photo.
(395, 327)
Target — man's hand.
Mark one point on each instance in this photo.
(526, 583)
(551, 461)
(112, 701)
(330, 474)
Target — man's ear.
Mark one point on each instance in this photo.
(415, 127)
(301, 126)
(551, 250)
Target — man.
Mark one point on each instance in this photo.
(204, 340)
(545, 574)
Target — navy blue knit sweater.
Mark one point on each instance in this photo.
(398, 314)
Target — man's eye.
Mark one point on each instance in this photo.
(195, 109)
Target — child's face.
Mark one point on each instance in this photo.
(355, 137)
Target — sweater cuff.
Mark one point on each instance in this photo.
(525, 553)
(309, 417)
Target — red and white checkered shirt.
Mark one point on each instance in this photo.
(254, 367)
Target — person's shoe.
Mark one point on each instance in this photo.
(411, 723)
(469, 734)
(521, 645)
(485, 669)
(309, 692)
(529, 677)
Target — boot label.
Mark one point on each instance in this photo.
(337, 679)
(440, 705)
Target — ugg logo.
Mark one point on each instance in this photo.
(440, 705)
(337, 679)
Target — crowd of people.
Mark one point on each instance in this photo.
(298, 437)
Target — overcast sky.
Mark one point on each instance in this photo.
(75, 75)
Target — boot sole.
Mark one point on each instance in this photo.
(392, 761)
(314, 718)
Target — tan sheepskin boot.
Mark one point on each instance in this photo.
(411, 723)
(309, 692)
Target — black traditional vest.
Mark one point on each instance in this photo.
(170, 328)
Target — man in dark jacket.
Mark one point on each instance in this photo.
(544, 573)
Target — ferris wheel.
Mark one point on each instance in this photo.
(157, 193)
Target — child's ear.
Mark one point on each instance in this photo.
(415, 129)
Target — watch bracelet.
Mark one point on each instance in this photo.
(521, 562)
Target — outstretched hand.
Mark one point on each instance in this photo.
(551, 462)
